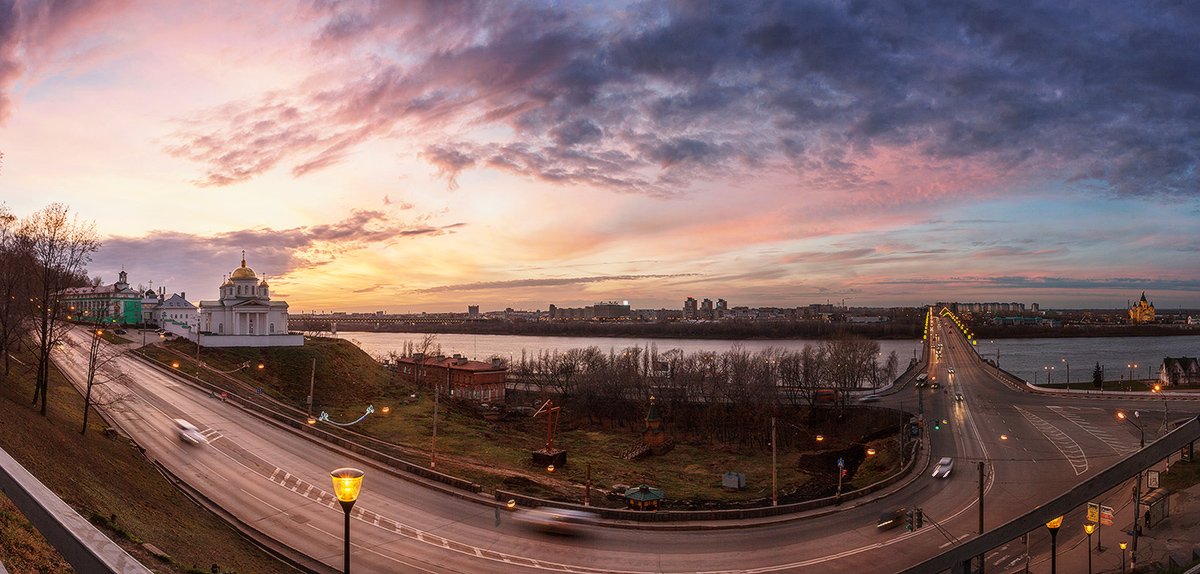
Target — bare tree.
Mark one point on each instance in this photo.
(61, 246)
(100, 370)
(15, 266)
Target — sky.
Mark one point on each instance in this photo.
(410, 155)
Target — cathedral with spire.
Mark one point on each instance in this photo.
(245, 315)
(1142, 311)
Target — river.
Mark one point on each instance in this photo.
(1029, 359)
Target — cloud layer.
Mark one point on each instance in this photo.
(653, 97)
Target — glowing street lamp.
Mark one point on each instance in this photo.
(1053, 526)
(346, 484)
(1123, 544)
(1089, 528)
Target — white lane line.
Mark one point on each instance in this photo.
(1065, 444)
(955, 540)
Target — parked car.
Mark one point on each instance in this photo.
(119, 331)
(188, 432)
(943, 468)
(890, 519)
(555, 520)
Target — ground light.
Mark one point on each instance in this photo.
(346, 484)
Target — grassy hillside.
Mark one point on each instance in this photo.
(107, 479)
(497, 454)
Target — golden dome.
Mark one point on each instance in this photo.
(243, 272)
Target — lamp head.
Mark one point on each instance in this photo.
(1123, 545)
(1053, 525)
(1089, 528)
(346, 483)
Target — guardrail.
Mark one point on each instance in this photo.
(82, 545)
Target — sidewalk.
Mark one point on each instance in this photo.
(1177, 535)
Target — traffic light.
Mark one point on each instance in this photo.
(917, 518)
(908, 520)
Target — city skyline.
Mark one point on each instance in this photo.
(425, 157)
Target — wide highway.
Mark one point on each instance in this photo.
(277, 482)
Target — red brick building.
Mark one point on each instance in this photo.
(457, 376)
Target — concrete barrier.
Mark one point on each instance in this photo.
(82, 545)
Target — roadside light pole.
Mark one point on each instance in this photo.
(1068, 373)
(1053, 526)
(1089, 528)
(1137, 486)
(346, 484)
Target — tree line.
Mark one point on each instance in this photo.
(726, 397)
(40, 255)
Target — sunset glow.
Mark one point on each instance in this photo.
(426, 156)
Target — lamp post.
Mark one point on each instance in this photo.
(1137, 486)
(1053, 526)
(1089, 528)
(1166, 409)
(1068, 373)
(346, 484)
(1122, 557)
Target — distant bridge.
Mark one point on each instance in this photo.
(371, 323)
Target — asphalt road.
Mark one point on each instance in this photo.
(1035, 447)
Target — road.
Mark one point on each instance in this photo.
(278, 482)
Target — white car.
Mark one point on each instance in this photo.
(943, 468)
(188, 432)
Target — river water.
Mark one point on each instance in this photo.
(1029, 359)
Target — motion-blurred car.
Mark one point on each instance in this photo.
(188, 432)
(556, 520)
(869, 399)
(943, 468)
(958, 397)
(890, 519)
(950, 370)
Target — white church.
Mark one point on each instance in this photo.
(245, 315)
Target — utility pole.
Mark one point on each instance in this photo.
(311, 379)
(981, 479)
(774, 466)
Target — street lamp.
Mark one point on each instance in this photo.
(1166, 409)
(1123, 555)
(1053, 526)
(1137, 486)
(1068, 373)
(346, 484)
(1089, 528)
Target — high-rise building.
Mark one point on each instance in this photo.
(689, 308)
(722, 308)
(706, 309)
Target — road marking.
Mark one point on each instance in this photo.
(955, 540)
(1121, 448)
(1065, 444)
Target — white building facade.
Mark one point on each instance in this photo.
(245, 315)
